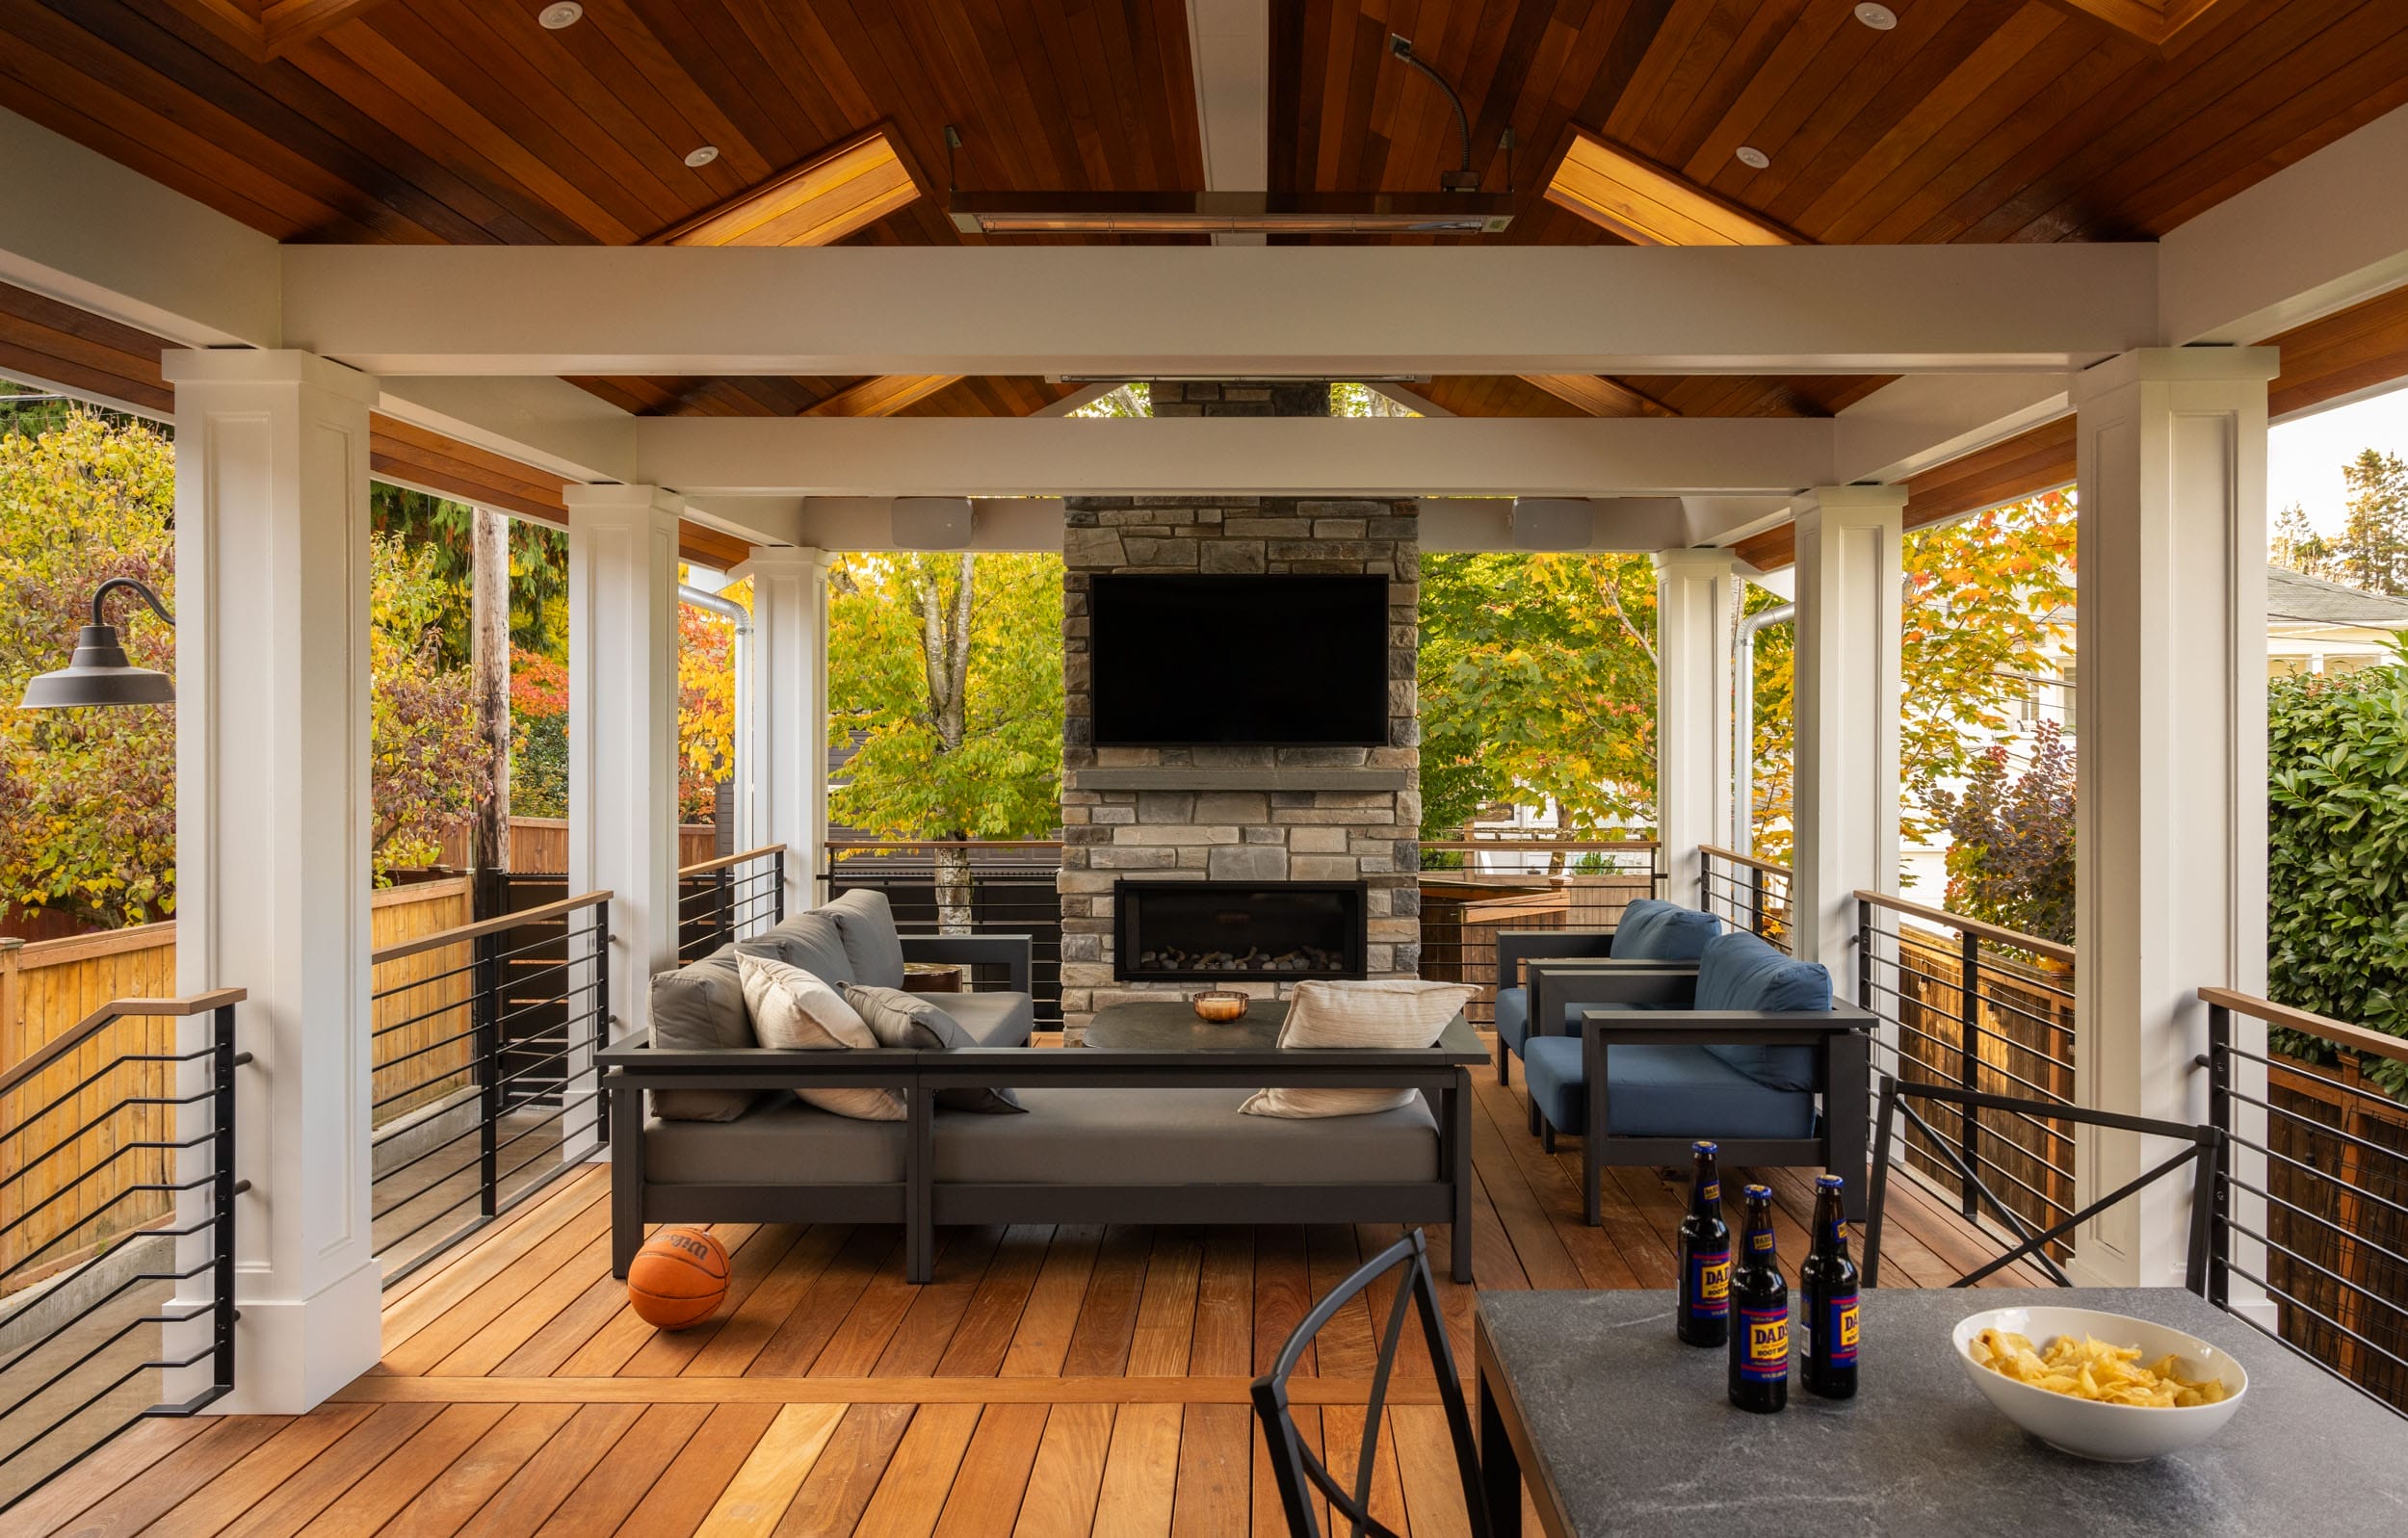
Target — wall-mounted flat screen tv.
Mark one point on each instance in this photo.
(1181, 661)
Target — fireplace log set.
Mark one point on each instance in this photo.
(1304, 958)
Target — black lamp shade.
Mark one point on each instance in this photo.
(99, 674)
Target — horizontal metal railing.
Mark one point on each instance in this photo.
(2312, 1208)
(729, 899)
(1745, 892)
(1978, 1007)
(1011, 890)
(117, 1234)
(484, 1080)
(1474, 889)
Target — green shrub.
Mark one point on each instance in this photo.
(2336, 865)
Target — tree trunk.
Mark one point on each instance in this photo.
(945, 654)
(489, 662)
(953, 890)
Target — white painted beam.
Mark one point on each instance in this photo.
(1383, 457)
(80, 227)
(1103, 311)
(1229, 43)
(538, 420)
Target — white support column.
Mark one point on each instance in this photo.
(1848, 630)
(1693, 609)
(271, 837)
(787, 747)
(2171, 714)
(622, 734)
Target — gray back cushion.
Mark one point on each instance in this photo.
(899, 1019)
(811, 941)
(702, 1009)
(871, 942)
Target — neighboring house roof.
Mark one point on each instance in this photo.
(2299, 599)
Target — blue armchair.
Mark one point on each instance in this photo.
(1650, 931)
(1747, 1049)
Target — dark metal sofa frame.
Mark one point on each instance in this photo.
(1585, 947)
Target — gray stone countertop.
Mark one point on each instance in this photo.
(1639, 1437)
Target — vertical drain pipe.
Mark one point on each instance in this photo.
(741, 770)
(1743, 725)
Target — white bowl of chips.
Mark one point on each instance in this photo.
(2103, 1385)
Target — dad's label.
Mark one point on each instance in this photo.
(1768, 1356)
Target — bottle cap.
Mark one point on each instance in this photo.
(1755, 1191)
(1829, 1183)
(1703, 1147)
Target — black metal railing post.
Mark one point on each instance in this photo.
(1864, 954)
(724, 880)
(484, 1014)
(1969, 1055)
(1756, 901)
(777, 886)
(600, 933)
(2219, 1064)
(223, 1188)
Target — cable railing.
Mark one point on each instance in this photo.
(1473, 889)
(976, 886)
(729, 899)
(117, 1229)
(483, 1089)
(1979, 1007)
(1745, 892)
(2311, 1233)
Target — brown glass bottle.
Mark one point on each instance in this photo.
(1828, 1301)
(1760, 1314)
(1704, 1243)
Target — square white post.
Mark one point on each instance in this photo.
(272, 874)
(622, 745)
(2171, 888)
(786, 750)
(1848, 631)
(1692, 712)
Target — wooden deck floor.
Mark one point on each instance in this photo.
(1050, 1381)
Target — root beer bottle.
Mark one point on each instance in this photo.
(1705, 1247)
(1826, 1297)
(1760, 1314)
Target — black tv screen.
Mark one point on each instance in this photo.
(1181, 661)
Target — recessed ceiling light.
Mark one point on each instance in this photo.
(703, 156)
(1880, 18)
(1753, 158)
(567, 13)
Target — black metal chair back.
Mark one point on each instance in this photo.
(1300, 1470)
(2203, 1148)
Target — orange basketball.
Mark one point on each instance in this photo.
(679, 1278)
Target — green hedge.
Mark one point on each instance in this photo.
(2336, 749)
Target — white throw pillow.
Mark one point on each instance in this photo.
(794, 1011)
(1402, 1012)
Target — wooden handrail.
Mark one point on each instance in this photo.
(485, 926)
(1748, 860)
(1998, 934)
(1537, 846)
(942, 844)
(723, 862)
(2340, 1032)
(92, 1025)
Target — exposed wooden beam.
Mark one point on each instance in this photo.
(2167, 26)
(882, 396)
(287, 24)
(817, 203)
(1644, 203)
(1600, 396)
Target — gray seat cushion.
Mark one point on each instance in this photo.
(811, 941)
(1084, 1135)
(784, 1142)
(992, 1019)
(870, 940)
(702, 1009)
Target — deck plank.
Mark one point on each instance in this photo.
(832, 1499)
(762, 1486)
(1068, 1474)
(605, 1498)
(919, 1477)
(1140, 1473)
(681, 1498)
(994, 1474)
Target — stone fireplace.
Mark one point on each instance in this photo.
(1265, 831)
(1236, 931)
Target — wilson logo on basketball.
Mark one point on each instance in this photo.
(678, 1279)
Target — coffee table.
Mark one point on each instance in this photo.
(1170, 1024)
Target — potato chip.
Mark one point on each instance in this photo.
(2091, 1369)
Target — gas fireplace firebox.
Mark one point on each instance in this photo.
(1178, 931)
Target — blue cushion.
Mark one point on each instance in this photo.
(1665, 1093)
(1651, 929)
(1740, 972)
(1513, 1017)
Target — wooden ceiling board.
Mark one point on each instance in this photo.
(1493, 395)
(2348, 352)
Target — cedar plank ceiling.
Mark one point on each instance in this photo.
(459, 120)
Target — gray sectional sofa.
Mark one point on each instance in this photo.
(1106, 1136)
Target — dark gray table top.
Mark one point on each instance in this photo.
(1170, 1024)
(1636, 1436)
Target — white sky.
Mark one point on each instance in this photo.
(2304, 458)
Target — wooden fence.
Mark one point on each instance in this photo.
(539, 845)
(48, 986)
(2340, 1221)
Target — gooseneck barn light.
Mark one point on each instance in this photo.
(100, 674)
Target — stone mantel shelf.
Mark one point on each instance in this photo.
(1185, 777)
